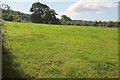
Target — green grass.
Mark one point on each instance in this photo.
(54, 51)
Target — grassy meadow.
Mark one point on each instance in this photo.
(57, 51)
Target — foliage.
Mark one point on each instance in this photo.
(41, 13)
(10, 71)
(91, 23)
(66, 18)
(10, 15)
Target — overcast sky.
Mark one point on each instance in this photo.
(104, 10)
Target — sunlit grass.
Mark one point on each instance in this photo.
(54, 51)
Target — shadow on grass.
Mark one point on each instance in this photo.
(10, 69)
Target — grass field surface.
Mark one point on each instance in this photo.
(55, 51)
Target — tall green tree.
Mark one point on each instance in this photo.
(49, 16)
(6, 9)
(37, 10)
(41, 13)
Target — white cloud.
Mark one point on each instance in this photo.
(88, 6)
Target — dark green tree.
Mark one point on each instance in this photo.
(10, 15)
(41, 13)
(6, 9)
(49, 16)
(64, 17)
(37, 10)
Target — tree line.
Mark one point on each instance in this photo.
(10, 15)
(91, 23)
(41, 13)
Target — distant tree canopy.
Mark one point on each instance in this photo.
(64, 17)
(111, 24)
(41, 13)
(10, 15)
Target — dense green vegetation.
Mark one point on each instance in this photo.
(41, 13)
(10, 15)
(110, 24)
(54, 51)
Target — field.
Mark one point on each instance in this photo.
(54, 51)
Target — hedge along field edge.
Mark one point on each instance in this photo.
(118, 35)
(0, 42)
